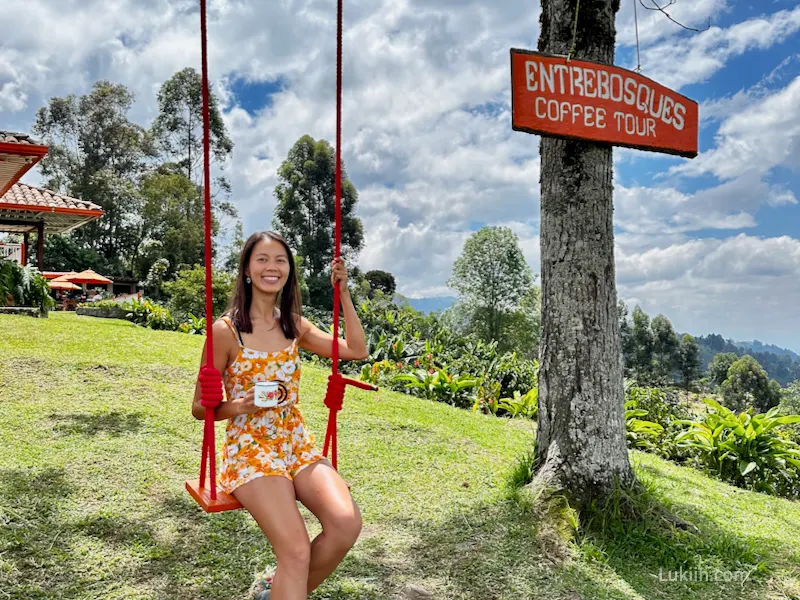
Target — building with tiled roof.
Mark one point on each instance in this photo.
(26, 209)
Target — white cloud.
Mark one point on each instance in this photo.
(694, 57)
(744, 286)
(427, 134)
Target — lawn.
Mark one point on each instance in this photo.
(98, 441)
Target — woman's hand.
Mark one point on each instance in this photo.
(246, 405)
(339, 274)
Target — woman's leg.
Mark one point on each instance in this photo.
(272, 502)
(322, 490)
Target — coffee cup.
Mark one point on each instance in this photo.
(269, 393)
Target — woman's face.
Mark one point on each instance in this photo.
(269, 266)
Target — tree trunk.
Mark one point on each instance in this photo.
(581, 447)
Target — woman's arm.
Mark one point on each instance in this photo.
(354, 346)
(222, 347)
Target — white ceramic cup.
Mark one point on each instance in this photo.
(267, 393)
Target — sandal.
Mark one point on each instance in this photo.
(263, 589)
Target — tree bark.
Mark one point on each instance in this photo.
(581, 447)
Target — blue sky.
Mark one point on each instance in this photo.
(713, 242)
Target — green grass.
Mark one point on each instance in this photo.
(98, 441)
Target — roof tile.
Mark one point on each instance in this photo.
(11, 137)
(21, 193)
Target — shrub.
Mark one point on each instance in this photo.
(24, 286)
(745, 449)
(187, 291)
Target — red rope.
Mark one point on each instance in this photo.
(335, 395)
(210, 378)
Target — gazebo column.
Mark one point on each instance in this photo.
(25, 247)
(40, 246)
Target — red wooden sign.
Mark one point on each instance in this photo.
(592, 101)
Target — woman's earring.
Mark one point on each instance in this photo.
(247, 279)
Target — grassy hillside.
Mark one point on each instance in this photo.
(98, 440)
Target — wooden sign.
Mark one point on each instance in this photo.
(592, 101)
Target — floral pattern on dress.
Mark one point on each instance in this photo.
(270, 441)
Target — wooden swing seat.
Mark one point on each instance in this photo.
(202, 495)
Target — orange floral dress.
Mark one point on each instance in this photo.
(270, 441)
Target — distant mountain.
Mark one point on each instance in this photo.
(757, 346)
(780, 364)
(429, 305)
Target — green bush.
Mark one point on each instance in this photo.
(745, 449)
(188, 296)
(24, 286)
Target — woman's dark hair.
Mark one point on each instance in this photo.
(289, 299)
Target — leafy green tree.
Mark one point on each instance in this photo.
(381, 280)
(720, 364)
(178, 131)
(748, 385)
(689, 361)
(187, 291)
(524, 324)
(97, 154)
(172, 221)
(178, 128)
(666, 348)
(491, 277)
(304, 214)
(643, 343)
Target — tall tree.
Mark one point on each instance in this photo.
(580, 447)
(172, 222)
(98, 154)
(666, 348)
(689, 361)
(491, 277)
(642, 344)
(304, 214)
(178, 128)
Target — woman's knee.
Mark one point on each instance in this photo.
(345, 528)
(296, 553)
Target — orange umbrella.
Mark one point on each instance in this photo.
(89, 277)
(63, 278)
(63, 285)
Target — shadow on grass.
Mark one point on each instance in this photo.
(54, 546)
(114, 423)
(510, 549)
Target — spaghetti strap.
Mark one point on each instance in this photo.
(234, 329)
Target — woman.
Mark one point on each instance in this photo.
(269, 458)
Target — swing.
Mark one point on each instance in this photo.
(209, 498)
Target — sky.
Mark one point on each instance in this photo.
(711, 242)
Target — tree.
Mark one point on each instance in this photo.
(381, 280)
(172, 221)
(689, 361)
(178, 128)
(581, 444)
(718, 369)
(491, 277)
(748, 385)
(304, 214)
(524, 324)
(666, 348)
(97, 154)
(643, 343)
